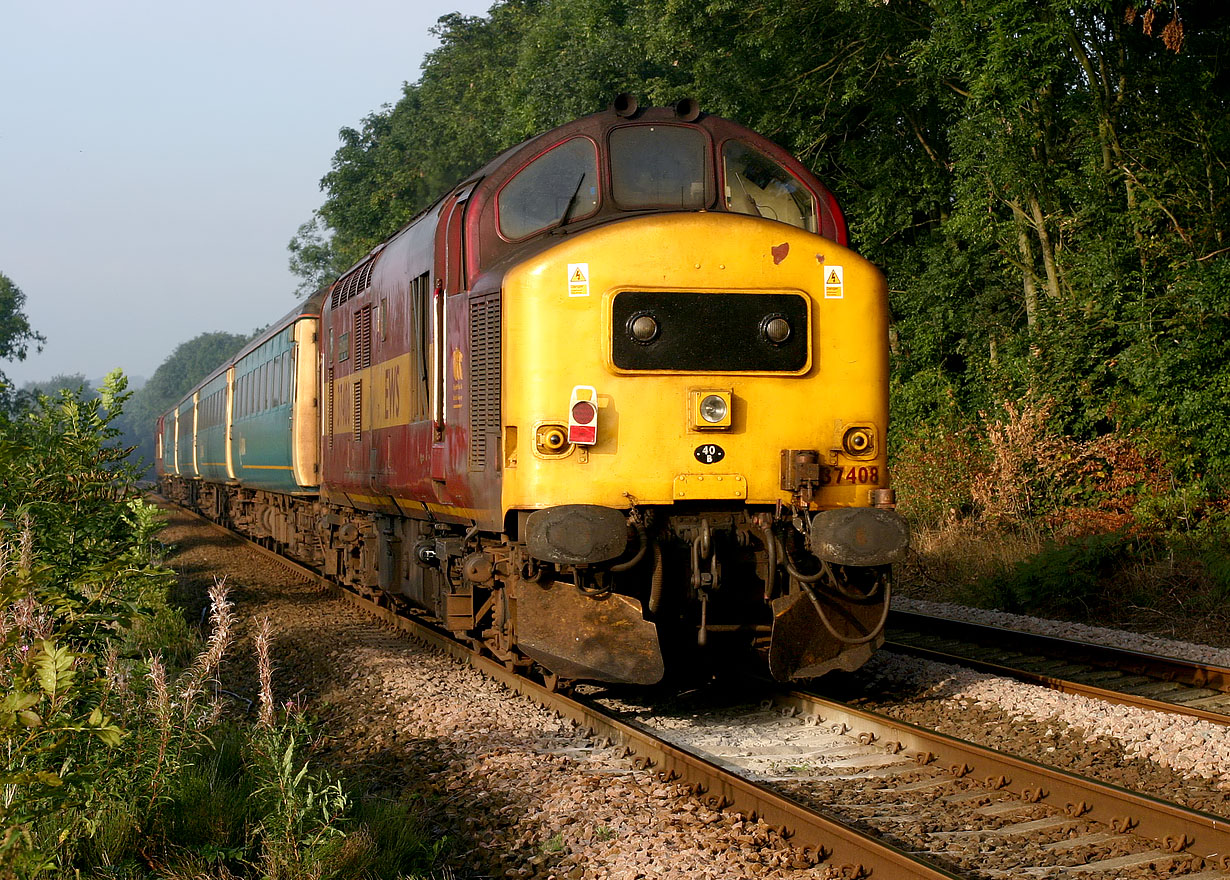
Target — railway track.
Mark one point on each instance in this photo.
(1114, 675)
(866, 776)
(972, 810)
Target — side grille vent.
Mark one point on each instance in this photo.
(352, 284)
(363, 338)
(484, 377)
(330, 426)
(357, 410)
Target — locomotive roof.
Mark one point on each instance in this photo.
(485, 182)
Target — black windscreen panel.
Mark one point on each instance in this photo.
(484, 377)
(709, 332)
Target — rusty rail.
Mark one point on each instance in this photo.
(1176, 828)
(1162, 669)
(826, 840)
(844, 848)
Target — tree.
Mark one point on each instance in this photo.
(1045, 183)
(75, 383)
(16, 335)
(313, 257)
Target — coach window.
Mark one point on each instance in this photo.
(757, 185)
(556, 188)
(659, 166)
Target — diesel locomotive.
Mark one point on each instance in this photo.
(616, 402)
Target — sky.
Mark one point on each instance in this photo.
(157, 157)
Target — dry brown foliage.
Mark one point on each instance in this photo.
(1074, 486)
(1023, 451)
(1172, 35)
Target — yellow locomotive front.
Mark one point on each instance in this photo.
(694, 420)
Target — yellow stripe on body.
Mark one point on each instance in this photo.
(434, 507)
(390, 398)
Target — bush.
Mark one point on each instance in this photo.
(1072, 577)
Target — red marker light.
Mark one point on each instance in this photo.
(583, 412)
(583, 416)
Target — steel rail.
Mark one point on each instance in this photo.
(1188, 672)
(1063, 685)
(1177, 828)
(1166, 669)
(826, 840)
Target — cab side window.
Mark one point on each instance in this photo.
(558, 187)
(757, 185)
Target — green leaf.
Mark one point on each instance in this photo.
(54, 667)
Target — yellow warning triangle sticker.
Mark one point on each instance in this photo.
(833, 279)
(577, 277)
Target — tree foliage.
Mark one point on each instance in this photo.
(1045, 184)
(16, 334)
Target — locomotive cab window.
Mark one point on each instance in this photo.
(757, 185)
(659, 166)
(558, 187)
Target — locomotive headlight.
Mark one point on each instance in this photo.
(711, 409)
(551, 440)
(858, 441)
(643, 328)
(776, 329)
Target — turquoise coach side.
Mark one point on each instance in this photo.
(168, 442)
(261, 429)
(211, 429)
(185, 440)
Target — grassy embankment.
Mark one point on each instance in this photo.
(123, 756)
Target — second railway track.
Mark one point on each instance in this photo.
(1132, 678)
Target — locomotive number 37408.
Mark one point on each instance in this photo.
(844, 476)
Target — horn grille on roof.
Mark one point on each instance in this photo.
(353, 283)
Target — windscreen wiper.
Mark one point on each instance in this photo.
(572, 200)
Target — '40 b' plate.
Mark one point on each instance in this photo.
(709, 453)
